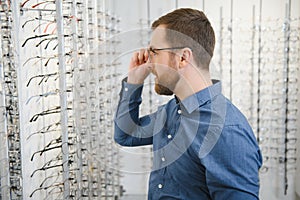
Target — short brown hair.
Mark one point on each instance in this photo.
(194, 25)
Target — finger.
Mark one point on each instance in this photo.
(135, 57)
(146, 56)
(141, 56)
(134, 60)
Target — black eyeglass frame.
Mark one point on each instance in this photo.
(153, 50)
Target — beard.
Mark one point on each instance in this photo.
(162, 90)
(167, 87)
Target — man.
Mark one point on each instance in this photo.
(203, 146)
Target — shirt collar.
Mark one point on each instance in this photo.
(198, 99)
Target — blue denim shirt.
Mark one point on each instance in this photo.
(203, 146)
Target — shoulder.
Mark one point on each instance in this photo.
(225, 130)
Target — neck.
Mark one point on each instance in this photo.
(192, 82)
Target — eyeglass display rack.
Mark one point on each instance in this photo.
(10, 148)
(263, 81)
(57, 83)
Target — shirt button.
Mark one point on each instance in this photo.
(160, 186)
(169, 136)
(163, 159)
(126, 89)
(179, 112)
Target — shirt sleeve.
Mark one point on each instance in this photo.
(130, 129)
(232, 166)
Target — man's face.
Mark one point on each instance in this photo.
(164, 63)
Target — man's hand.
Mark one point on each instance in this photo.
(139, 67)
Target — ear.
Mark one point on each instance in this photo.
(186, 57)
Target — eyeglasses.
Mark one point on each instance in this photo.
(153, 51)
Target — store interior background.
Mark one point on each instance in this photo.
(60, 79)
(240, 24)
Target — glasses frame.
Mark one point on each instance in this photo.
(153, 50)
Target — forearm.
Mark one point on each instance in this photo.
(130, 130)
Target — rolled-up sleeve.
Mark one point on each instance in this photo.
(129, 128)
